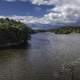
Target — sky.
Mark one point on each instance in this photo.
(23, 8)
(42, 11)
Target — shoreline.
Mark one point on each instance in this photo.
(14, 44)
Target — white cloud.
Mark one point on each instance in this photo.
(55, 2)
(42, 2)
(27, 19)
(65, 11)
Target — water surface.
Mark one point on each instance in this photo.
(44, 59)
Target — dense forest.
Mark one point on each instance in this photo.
(12, 32)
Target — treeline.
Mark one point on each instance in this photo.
(12, 31)
(66, 30)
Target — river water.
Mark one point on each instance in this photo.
(48, 57)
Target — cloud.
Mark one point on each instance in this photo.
(44, 2)
(32, 19)
(65, 11)
(55, 2)
(27, 19)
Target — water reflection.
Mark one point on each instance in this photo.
(44, 59)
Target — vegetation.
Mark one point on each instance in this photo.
(66, 30)
(12, 31)
(39, 31)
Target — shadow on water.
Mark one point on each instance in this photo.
(14, 63)
(7, 53)
(21, 46)
(12, 51)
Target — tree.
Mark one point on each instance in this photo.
(13, 31)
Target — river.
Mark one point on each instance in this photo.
(48, 57)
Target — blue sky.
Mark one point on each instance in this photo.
(42, 11)
(23, 8)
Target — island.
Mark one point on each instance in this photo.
(13, 33)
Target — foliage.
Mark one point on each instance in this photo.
(13, 31)
(66, 30)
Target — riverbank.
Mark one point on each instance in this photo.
(61, 30)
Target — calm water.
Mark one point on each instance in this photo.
(48, 57)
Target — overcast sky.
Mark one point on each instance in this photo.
(42, 11)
